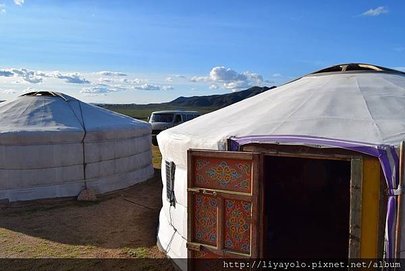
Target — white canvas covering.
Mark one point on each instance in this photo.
(362, 106)
(52, 145)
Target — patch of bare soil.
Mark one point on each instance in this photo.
(121, 226)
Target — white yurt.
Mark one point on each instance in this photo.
(353, 107)
(53, 145)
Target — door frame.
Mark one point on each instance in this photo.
(359, 246)
(358, 172)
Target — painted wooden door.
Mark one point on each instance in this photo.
(223, 204)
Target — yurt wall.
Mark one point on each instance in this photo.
(53, 145)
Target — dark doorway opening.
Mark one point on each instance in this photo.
(307, 208)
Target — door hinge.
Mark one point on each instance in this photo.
(193, 246)
(195, 190)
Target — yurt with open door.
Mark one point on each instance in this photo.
(311, 169)
(53, 145)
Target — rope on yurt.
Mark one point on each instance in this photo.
(83, 147)
(81, 122)
(174, 228)
(171, 240)
(174, 233)
(171, 224)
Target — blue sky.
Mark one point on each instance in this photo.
(155, 51)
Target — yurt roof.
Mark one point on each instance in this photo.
(41, 116)
(355, 102)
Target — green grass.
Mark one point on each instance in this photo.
(37, 248)
(156, 157)
(139, 252)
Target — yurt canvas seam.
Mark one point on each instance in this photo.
(84, 136)
(89, 163)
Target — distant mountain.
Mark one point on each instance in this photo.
(218, 100)
(202, 104)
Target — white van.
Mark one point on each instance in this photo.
(162, 120)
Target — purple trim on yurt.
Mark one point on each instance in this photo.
(386, 155)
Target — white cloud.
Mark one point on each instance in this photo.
(237, 85)
(110, 73)
(136, 81)
(200, 79)
(19, 2)
(375, 12)
(2, 9)
(167, 88)
(6, 73)
(402, 69)
(213, 86)
(100, 89)
(147, 87)
(175, 77)
(254, 77)
(43, 74)
(120, 80)
(73, 78)
(102, 83)
(35, 77)
(230, 79)
(95, 90)
(8, 91)
(105, 80)
(276, 74)
(27, 75)
(225, 74)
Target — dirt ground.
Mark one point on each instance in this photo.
(121, 225)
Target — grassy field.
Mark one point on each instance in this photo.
(121, 225)
(156, 157)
